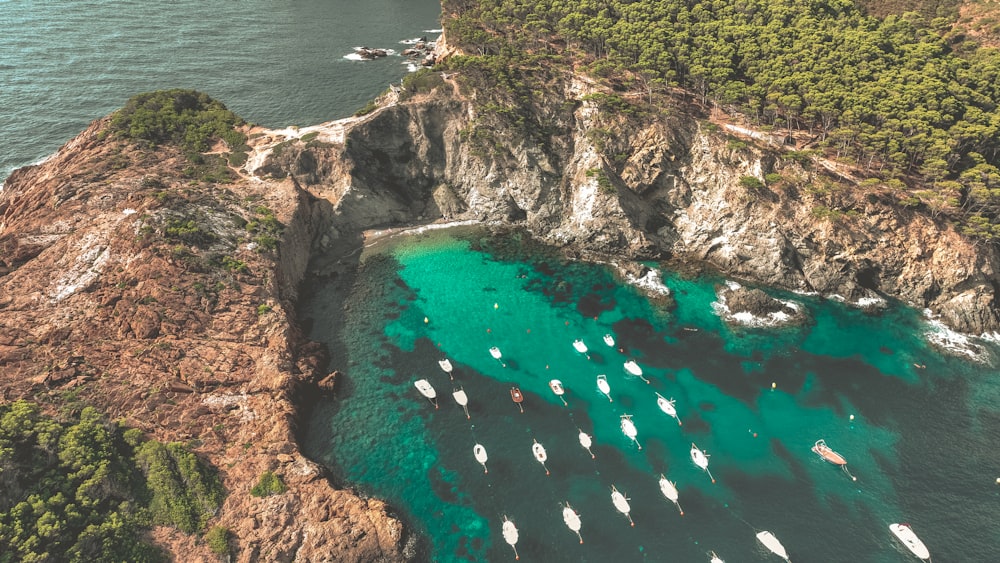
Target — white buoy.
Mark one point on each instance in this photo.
(852, 417)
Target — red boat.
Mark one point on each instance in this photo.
(517, 397)
(826, 453)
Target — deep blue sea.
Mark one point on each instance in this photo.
(918, 427)
(277, 63)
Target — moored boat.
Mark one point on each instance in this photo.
(462, 399)
(572, 520)
(700, 459)
(825, 452)
(668, 407)
(716, 558)
(772, 543)
(557, 388)
(445, 365)
(479, 451)
(629, 429)
(510, 535)
(634, 369)
(517, 397)
(602, 384)
(539, 452)
(905, 534)
(426, 390)
(580, 346)
(586, 441)
(621, 503)
(669, 490)
(609, 340)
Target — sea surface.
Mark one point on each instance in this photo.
(918, 425)
(276, 63)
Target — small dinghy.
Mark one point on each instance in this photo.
(669, 490)
(517, 397)
(557, 388)
(480, 452)
(824, 451)
(621, 503)
(539, 452)
(609, 340)
(446, 366)
(586, 441)
(495, 352)
(426, 390)
(581, 347)
(772, 543)
(628, 429)
(634, 369)
(462, 399)
(667, 406)
(715, 558)
(602, 384)
(905, 534)
(572, 520)
(700, 459)
(510, 535)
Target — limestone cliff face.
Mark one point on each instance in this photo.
(649, 187)
(191, 339)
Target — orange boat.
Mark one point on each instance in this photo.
(516, 396)
(826, 453)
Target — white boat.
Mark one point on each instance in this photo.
(772, 543)
(586, 441)
(539, 452)
(905, 534)
(581, 347)
(669, 490)
(700, 459)
(628, 429)
(462, 399)
(510, 535)
(602, 384)
(426, 390)
(572, 520)
(495, 352)
(667, 406)
(445, 365)
(557, 388)
(716, 558)
(621, 503)
(480, 452)
(609, 340)
(634, 369)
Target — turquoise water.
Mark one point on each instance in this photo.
(921, 442)
(64, 64)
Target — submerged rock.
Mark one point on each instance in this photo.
(752, 307)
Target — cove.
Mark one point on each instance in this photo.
(920, 441)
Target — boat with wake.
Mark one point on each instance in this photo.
(621, 503)
(700, 459)
(480, 452)
(586, 441)
(510, 535)
(463, 400)
(602, 384)
(824, 451)
(426, 390)
(557, 388)
(572, 520)
(667, 406)
(538, 451)
(633, 369)
(905, 534)
(669, 490)
(517, 397)
(772, 543)
(629, 429)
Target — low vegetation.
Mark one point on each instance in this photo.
(269, 484)
(186, 118)
(84, 489)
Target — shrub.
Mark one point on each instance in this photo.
(263, 309)
(751, 182)
(183, 492)
(218, 540)
(773, 178)
(187, 118)
(269, 484)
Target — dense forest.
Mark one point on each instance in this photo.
(901, 97)
(84, 489)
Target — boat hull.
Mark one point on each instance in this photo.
(906, 535)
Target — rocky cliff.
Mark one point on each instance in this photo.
(653, 185)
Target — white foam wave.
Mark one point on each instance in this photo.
(354, 57)
(746, 318)
(940, 335)
(433, 31)
(650, 282)
(733, 286)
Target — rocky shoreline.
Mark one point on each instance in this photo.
(200, 343)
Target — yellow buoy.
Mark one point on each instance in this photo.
(426, 320)
(852, 417)
(496, 305)
(774, 385)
